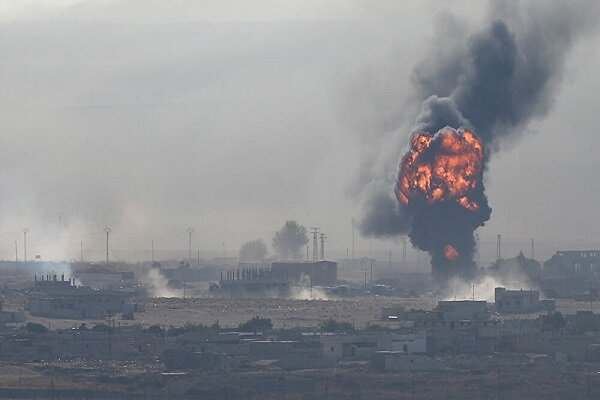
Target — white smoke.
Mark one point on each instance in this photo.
(158, 286)
(305, 291)
(484, 286)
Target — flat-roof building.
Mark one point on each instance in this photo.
(60, 298)
(318, 273)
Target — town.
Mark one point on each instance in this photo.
(100, 329)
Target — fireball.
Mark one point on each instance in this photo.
(446, 166)
(450, 252)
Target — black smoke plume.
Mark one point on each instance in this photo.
(501, 78)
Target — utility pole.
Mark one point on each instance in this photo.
(81, 249)
(315, 232)
(16, 251)
(25, 244)
(107, 230)
(499, 246)
(404, 251)
(477, 255)
(323, 237)
(532, 249)
(353, 223)
(152, 252)
(190, 230)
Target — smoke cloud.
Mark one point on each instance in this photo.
(507, 73)
(494, 81)
(158, 286)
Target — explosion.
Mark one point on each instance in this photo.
(448, 170)
(441, 183)
(450, 252)
(493, 80)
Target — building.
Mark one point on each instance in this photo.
(573, 262)
(363, 346)
(319, 273)
(251, 280)
(9, 317)
(463, 310)
(117, 343)
(103, 278)
(458, 327)
(572, 273)
(520, 301)
(398, 361)
(258, 280)
(513, 270)
(60, 298)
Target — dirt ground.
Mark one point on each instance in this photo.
(285, 313)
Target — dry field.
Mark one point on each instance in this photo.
(285, 313)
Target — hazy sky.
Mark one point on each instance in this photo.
(232, 116)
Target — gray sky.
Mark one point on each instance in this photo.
(232, 116)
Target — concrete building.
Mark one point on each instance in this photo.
(512, 270)
(319, 273)
(520, 301)
(463, 310)
(8, 317)
(572, 273)
(251, 280)
(458, 327)
(572, 262)
(102, 278)
(397, 361)
(123, 343)
(362, 347)
(59, 298)
(278, 280)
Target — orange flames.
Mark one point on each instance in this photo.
(450, 252)
(444, 167)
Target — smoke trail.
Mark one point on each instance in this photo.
(494, 81)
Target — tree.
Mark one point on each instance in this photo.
(290, 240)
(255, 250)
(101, 328)
(553, 322)
(154, 330)
(34, 327)
(256, 324)
(332, 325)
